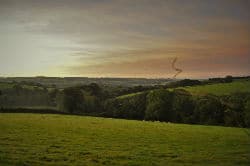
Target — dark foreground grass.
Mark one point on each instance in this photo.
(44, 139)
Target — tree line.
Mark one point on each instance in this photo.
(154, 103)
(159, 105)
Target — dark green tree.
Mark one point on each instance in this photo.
(228, 79)
(234, 109)
(129, 107)
(159, 106)
(247, 113)
(73, 100)
(209, 110)
(183, 106)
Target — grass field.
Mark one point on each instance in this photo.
(220, 88)
(44, 139)
(4, 85)
(216, 89)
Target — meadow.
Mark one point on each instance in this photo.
(4, 85)
(220, 88)
(45, 139)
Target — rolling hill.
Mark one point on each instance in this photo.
(35, 139)
(220, 88)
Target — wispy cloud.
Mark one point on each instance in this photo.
(129, 38)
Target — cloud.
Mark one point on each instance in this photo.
(128, 35)
(200, 67)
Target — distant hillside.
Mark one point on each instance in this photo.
(62, 82)
(241, 85)
(220, 88)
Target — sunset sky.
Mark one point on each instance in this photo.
(124, 38)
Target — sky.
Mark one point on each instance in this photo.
(124, 38)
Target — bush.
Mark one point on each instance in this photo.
(247, 113)
(159, 105)
(183, 106)
(234, 109)
(182, 83)
(131, 107)
(209, 110)
(72, 100)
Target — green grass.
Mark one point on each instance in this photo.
(35, 139)
(220, 88)
(4, 85)
(216, 89)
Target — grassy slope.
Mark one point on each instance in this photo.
(216, 89)
(36, 139)
(220, 88)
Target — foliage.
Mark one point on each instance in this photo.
(208, 110)
(73, 100)
(247, 113)
(81, 99)
(227, 79)
(234, 109)
(130, 107)
(20, 96)
(183, 106)
(184, 82)
(159, 104)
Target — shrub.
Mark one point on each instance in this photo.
(234, 111)
(247, 113)
(183, 106)
(209, 110)
(159, 105)
(131, 107)
(72, 100)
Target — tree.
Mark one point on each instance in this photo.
(95, 89)
(52, 96)
(183, 106)
(18, 89)
(209, 110)
(247, 113)
(234, 111)
(129, 107)
(159, 105)
(73, 100)
(228, 79)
